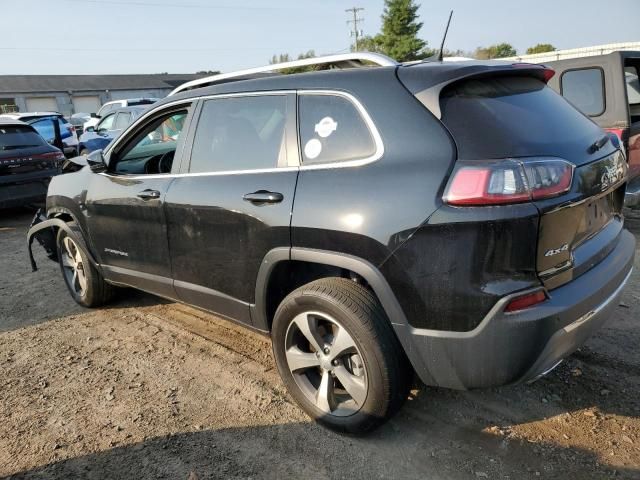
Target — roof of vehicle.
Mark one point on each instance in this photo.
(31, 114)
(7, 122)
(132, 101)
(426, 75)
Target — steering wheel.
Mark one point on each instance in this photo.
(166, 162)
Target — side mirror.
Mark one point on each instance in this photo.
(90, 129)
(96, 161)
(94, 115)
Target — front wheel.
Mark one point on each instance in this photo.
(83, 280)
(338, 355)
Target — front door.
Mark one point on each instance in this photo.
(125, 204)
(234, 202)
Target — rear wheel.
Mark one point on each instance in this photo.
(84, 281)
(338, 356)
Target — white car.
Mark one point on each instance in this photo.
(114, 105)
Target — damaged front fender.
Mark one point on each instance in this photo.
(44, 230)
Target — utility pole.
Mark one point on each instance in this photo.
(356, 32)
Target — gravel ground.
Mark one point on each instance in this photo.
(151, 389)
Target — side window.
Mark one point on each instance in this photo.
(151, 150)
(45, 129)
(332, 130)
(631, 75)
(106, 123)
(584, 89)
(240, 133)
(123, 119)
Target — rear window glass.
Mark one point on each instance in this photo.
(332, 130)
(585, 89)
(500, 117)
(14, 137)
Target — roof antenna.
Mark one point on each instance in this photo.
(440, 55)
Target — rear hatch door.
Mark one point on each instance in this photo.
(24, 155)
(520, 118)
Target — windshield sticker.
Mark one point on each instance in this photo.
(326, 127)
(312, 149)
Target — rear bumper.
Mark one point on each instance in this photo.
(632, 194)
(517, 347)
(19, 194)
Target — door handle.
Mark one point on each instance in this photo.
(263, 196)
(149, 194)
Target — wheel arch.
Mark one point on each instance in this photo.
(260, 313)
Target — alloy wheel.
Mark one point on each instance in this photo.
(73, 266)
(326, 364)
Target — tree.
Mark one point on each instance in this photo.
(285, 57)
(369, 44)
(399, 36)
(499, 50)
(541, 48)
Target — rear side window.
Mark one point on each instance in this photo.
(45, 128)
(240, 133)
(501, 117)
(332, 130)
(585, 89)
(631, 75)
(122, 121)
(15, 137)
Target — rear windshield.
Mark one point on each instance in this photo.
(501, 117)
(14, 137)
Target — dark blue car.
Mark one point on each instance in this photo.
(109, 127)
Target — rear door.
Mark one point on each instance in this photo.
(125, 205)
(233, 203)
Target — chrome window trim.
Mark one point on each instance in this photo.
(317, 166)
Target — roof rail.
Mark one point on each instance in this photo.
(344, 60)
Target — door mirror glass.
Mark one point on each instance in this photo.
(96, 161)
(90, 129)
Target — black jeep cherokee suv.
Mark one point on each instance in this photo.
(457, 220)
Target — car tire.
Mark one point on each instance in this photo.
(85, 283)
(364, 380)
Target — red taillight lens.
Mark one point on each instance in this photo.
(618, 132)
(526, 301)
(52, 156)
(508, 181)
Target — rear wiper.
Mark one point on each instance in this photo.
(597, 145)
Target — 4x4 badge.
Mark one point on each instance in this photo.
(556, 251)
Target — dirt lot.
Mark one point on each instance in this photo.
(151, 389)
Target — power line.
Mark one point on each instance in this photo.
(356, 32)
(178, 5)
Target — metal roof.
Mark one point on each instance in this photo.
(12, 84)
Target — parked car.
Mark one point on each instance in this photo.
(27, 164)
(78, 120)
(114, 105)
(465, 225)
(108, 128)
(43, 122)
(605, 87)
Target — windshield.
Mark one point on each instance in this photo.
(16, 136)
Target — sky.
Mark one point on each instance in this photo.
(153, 36)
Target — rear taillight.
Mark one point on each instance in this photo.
(52, 156)
(526, 301)
(618, 132)
(507, 181)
